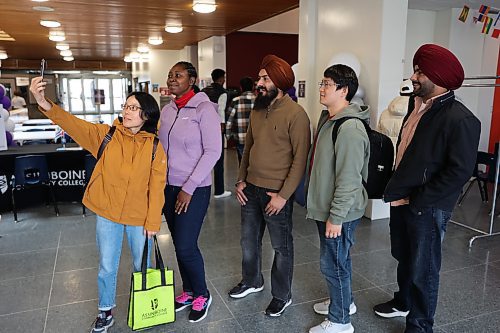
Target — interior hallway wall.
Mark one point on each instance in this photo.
(374, 31)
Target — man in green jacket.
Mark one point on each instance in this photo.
(336, 197)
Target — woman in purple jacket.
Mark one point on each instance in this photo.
(190, 134)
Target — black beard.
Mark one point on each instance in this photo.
(263, 101)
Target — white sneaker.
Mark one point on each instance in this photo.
(322, 308)
(328, 327)
(222, 195)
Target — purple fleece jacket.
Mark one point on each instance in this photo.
(192, 141)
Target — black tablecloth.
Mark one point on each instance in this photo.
(66, 169)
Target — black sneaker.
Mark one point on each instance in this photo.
(277, 306)
(199, 310)
(390, 310)
(242, 290)
(183, 301)
(102, 323)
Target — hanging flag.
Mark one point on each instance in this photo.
(464, 14)
(488, 21)
(495, 33)
(483, 12)
(496, 20)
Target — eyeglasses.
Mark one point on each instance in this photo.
(327, 84)
(132, 108)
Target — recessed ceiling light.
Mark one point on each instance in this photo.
(43, 9)
(66, 72)
(50, 24)
(66, 53)
(39, 0)
(142, 48)
(134, 56)
(68, 58)
(62, 46)
(155, 40)
(204, 6)
(3, 55)
(173, 29)
(106, 72)
(57, 36)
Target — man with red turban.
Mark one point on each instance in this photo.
(274, 160)
(436, 154)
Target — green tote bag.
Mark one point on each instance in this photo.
(151, 293)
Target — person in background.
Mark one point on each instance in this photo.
(436, 155)
(217, 94)
(190, 134)
(273, 163)
(18, 101)
(239, 115)
(336, 197)
(125, 189)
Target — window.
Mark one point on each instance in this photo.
(77, 94)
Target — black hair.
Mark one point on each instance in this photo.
(343, 76)
(150, 110)
(217, 74)
(189, 67)
(246, 84)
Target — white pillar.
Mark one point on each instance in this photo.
(211, 55)
(375, 32)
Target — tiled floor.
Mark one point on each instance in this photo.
(48, 268)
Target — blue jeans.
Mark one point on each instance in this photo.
(416, 237)
(185, 229)
(253, 223)
(109, 237)
(335, 264)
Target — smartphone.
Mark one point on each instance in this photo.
(42, 67)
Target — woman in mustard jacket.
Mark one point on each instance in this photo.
(126, 187)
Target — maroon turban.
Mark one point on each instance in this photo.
(440, 66)
(279, 71)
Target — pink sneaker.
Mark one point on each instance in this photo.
(183, 301)
(200, 308)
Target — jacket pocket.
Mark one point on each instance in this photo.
(96, 193)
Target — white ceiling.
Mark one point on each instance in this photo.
(446, 4)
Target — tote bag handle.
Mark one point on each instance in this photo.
(158, 259)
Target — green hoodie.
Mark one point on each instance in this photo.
(334, 186)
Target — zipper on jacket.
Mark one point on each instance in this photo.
(424, 179)
(168, 139)
(268, 110)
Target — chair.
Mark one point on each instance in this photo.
(489, 161)
(90, 162)
(31, 171)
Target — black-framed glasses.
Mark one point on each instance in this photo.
(132, 108)
(326, 84)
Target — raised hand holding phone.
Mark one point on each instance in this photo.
(37, 88)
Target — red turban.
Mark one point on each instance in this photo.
(279, 71)
(440, 66)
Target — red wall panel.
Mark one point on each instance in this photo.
(245, 50)
(495, 118)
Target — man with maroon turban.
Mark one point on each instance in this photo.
(274, 160)
(436, 154)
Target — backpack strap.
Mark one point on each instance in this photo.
(109, 136)
(155, 146)
(105, 141)
(339, 122)
(335, 132)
